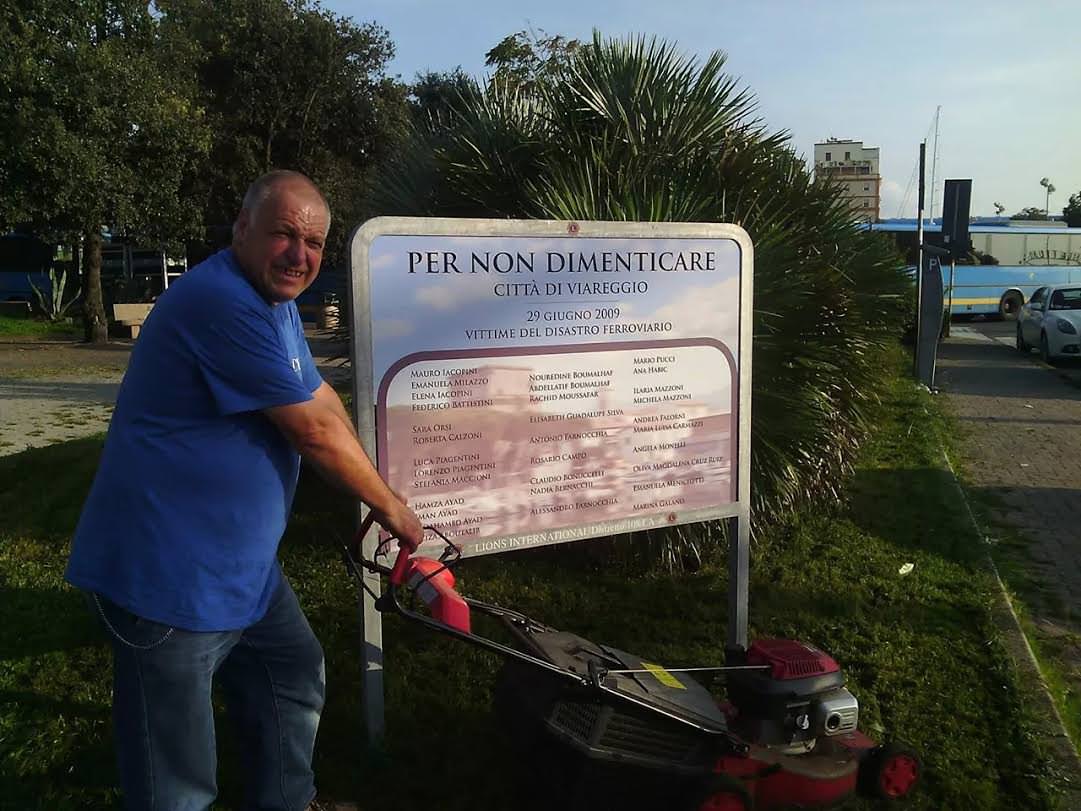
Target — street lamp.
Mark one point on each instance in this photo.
(1047, 184)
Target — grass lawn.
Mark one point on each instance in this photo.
(15, 328)
(920, 649)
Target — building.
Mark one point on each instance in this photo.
(856, 170)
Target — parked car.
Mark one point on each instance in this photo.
(1051, 321)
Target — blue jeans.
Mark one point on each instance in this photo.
(274, 683)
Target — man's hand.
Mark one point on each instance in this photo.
(403, 524)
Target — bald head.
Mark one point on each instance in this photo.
(265, 185)
(280, 233)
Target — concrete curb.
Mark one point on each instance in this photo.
(1059, 744)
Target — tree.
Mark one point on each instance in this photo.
(288, 85)
(526, 58)
(1072, 211)
(98, 131)
(633, 130)
(1030, 213)
(999, 208)
(434, 95)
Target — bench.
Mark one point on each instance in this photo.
(132, 316)
(325, 316)
(15, 309)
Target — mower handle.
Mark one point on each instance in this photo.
(593, 679)
(405, 549)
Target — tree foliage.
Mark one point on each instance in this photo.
(98, 130)
(526, 58)
(1072, 211)
(1030, 213)
(287, 85)
(434, 95)
(633, 130)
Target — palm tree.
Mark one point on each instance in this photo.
(634, 130)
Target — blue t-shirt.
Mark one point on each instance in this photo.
(195, 484)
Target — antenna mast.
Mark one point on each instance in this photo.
(934, 162)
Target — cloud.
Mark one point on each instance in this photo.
(892, 195)
(382, 261)
(392, 327)
(446, 298)
(695, 312)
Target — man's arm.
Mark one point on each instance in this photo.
(326, 395)
(322, 434)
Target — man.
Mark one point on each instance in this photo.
(177, 543)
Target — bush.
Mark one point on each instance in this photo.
(634, 130)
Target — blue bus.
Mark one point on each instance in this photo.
(1009, 260)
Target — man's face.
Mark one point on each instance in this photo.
(280, 244)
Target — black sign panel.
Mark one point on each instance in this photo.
(955, 205)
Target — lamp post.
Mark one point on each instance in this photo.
(1047, 184)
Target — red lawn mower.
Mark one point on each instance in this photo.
(786, 737)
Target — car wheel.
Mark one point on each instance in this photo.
(1045, 350)
(1022, 347)
(1010, 305)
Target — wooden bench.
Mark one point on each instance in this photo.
(132, 316)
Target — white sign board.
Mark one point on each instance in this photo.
(531, 388)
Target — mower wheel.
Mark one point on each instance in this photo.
(890, 772)
(723, 793)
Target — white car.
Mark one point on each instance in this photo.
(1051, 321)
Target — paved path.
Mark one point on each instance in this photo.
(1022, 443)
(1021, 455)
(54, 391)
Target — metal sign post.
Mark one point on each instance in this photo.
(931, 314)
(535, 382)
(919, 259)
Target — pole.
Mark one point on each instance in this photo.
(739, 564)
(919, 256)
(371, 640)
(371, 621)
(949, 306)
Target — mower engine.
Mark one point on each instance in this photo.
(800, 697)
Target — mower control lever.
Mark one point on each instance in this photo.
(397, 573)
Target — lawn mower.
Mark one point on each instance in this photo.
(785, 737)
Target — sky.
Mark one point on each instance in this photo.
(1006, 74)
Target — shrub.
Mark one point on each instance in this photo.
(634, 130)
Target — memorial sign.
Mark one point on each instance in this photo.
(531, 388)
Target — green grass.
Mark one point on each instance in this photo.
(14, 328)
(920, 650)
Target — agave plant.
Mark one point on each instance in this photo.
(635, 130)
(51, 300)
